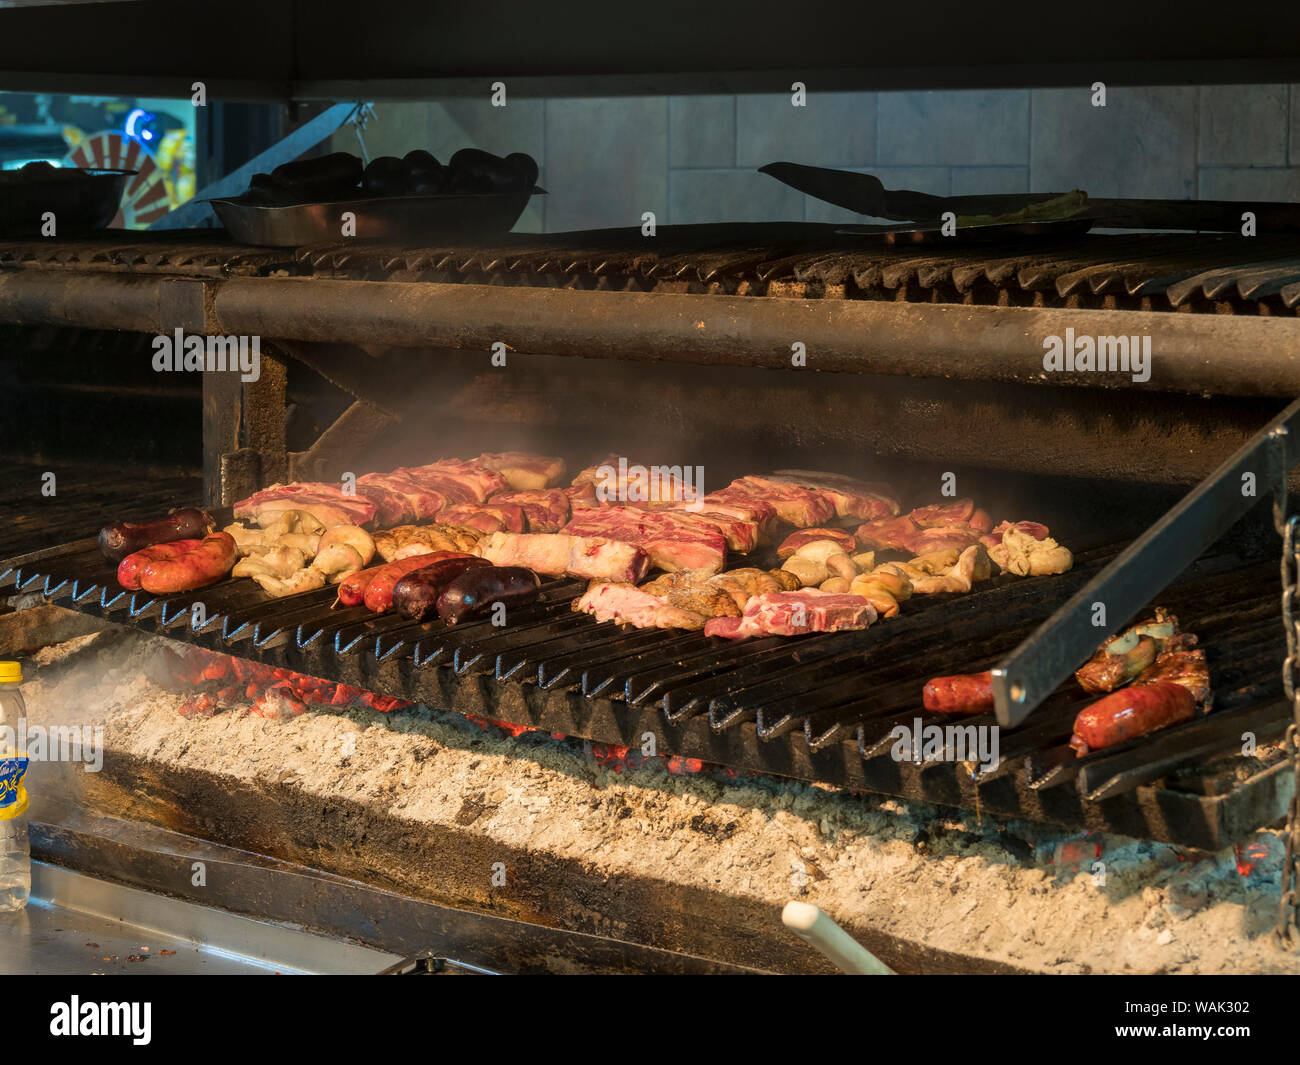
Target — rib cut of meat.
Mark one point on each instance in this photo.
(523, 470)
(544, 510)
(798, 506)
(740, 533)
(851, 497)
(674, 540)
(399, 497)
(327, 502)
(888, 534)
(795, 614)
(460, 481)
(486, 517)
(556, 554)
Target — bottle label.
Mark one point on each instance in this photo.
(13, 796)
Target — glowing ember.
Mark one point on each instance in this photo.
(1249, 855)
(224, 681)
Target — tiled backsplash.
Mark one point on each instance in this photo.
(605, 162)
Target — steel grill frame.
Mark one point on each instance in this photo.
(804, 708)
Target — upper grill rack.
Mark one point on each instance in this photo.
(821, 707)
(1156, 271)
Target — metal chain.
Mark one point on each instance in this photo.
(1287, 932)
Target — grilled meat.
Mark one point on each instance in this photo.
(545, 511)
(407, 540)
(850, 496)
(327, 503)
(795, 614)
(627, 605)
(525, 472)
(674, 540)
(1121, 658)
(556, 554)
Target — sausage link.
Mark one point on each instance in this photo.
(123, 538)
(378, 595)
(128, 570)
(963, 693)
(205, 563)
(1131, 712)
(416, 595)
(473, 594)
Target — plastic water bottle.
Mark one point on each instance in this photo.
(15, 851)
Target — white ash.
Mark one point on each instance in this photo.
(1017, 892)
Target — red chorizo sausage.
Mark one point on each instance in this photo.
(378, 595)
(352, 590)
(128, 570)
(205, 563)
(964, 693)
(1131, 712)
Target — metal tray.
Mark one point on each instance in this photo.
(391, 218)
(81, 202)
(1002, 232)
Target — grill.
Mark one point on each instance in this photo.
(819, 708)
(1189, 272)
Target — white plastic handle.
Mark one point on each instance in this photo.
(813, 926)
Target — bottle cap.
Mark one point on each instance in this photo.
(11, 672)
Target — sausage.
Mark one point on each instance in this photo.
(128, 570)
(378, 595)
(187, 564)
(964, 693)
(473, 594)
(416, 594)
(352, 590)
(1132, 712)
(324, 175)
(124, 538)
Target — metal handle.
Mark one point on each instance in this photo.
(1028, 675)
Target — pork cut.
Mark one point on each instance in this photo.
(795, 614)
(524, 471)
(851, 497)
(545, 511)
(674, 540)
(631, 606)
(557, 554)
(328, 503)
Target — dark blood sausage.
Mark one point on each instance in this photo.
(352, 590)
(964, 693)
(1132, 712)
(126, 537)
(473, 594)
(417, 594)
(128, 570)
(378, 595)
(184, 565)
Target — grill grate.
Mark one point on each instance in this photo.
(820, 707)
(1160, 271)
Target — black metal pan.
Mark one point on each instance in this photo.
(81, 201)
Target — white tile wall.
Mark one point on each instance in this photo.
(693, 159)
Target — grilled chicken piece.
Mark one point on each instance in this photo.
(407, 540)
(693, 591)
(1182, 667)
(743, 584)
(633, 606)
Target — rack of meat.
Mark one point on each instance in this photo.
(455, 538)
